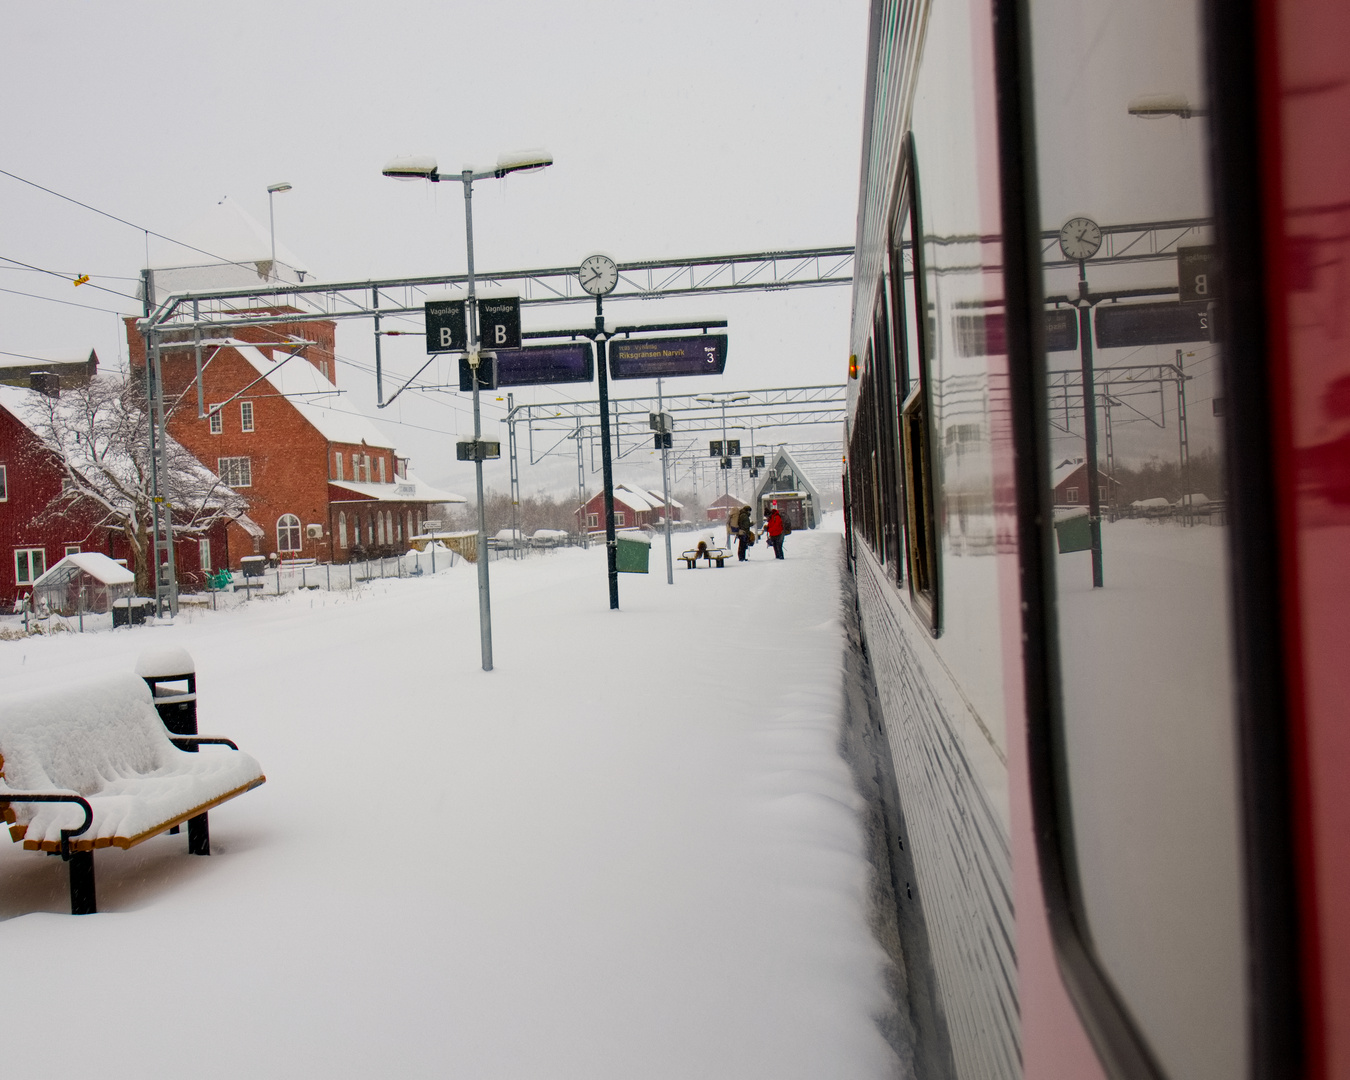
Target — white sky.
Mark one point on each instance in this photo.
(701, 128)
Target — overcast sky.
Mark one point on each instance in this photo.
(691, 129)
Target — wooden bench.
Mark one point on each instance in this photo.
(708, 555)
(92, 765)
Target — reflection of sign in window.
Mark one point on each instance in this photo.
(236, 472)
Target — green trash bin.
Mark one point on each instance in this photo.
(632, 554)
(1073, 531)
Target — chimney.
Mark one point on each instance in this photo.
(46, 382)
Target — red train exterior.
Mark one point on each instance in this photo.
(1117, 227)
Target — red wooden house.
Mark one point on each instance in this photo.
(634, 508)
(1069, 481)
(724, 506)
(32, 475)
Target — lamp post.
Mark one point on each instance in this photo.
(425, 168)
(722, 399)
(272, 190)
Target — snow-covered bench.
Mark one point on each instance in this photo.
(91, 765)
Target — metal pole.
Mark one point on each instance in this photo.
(665, 478)
(272, 228)
(515, 476)
(606, 463)
(1090, 425)
(379, 360)
(1183, 436)
(484, 599)
(726, 473)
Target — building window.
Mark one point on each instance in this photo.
(398, 528)
(381, 469)
(204, 555)
(592, 521)
(72, 549)
(379, 532)
(337, 460)
(370, 531)
(323, 368)
(342, 529)
(1071, 494)
(288, 533)
(4, 485)
(410, 525)
(368, 472)
(618, 518)
(29, 565)
(236, 472)
(356, 467)
(246, 416)
(217, 420)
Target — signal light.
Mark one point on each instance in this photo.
(853, 366)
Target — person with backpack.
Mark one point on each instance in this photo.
(745, 537)
(774, 527)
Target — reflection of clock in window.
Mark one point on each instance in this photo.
(598, 275)
(1080, 238)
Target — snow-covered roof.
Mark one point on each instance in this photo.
(1064, 470)
(633, 499)
(94, 563)
(660, 500)
(331, 414)
(773, 474)
(404, 489)
(725, 500)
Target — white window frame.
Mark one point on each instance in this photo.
(1071, 495)
(592, 521)
(246, 416)
(289, 523)
(204, 555)
(337, 457)
(381, 460)
(216, 419)
(342, 529)
(28, 553)
(72, 549)
(4, 484)
(356, 467)
(226, 467)
(618, 519)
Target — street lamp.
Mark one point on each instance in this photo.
(722, 399)
(423, 167)
(272, 190)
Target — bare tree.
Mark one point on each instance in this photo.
(100, 434)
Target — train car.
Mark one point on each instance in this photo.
(1113, 230)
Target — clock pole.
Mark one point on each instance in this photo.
(606, 461)
(1090, 423)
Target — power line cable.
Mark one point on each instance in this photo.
(53, 273)
(52, 299)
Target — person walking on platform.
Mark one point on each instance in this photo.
(773, 526)
(744, 537)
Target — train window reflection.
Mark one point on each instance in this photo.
(1140, 582)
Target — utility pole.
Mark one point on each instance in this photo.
(161, 511)
(606, 461)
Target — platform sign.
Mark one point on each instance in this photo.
(715, 448)
(487, 374)
(539, 365)
(759, 461)
(1125, 326)
(1198, 275)
(447, 329)
(499, 322)
(747, 462)
(648, 358)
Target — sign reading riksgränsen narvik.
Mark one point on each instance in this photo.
(650, 358)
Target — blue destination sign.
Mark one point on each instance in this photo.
(540, 364)
(1121, 326)
(648, 358)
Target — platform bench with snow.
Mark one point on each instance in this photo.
(708, 555)
(91, 765)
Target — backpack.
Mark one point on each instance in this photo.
(787, 527)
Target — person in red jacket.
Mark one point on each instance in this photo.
(773, 525)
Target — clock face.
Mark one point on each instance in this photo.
(1080, 238)
(598, 275)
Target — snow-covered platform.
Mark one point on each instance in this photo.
(632, 850)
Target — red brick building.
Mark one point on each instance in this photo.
(32, 475)
(723, 506)
(321, 480)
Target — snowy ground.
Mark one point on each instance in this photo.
(631, 851)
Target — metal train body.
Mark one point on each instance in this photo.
(1124, 771)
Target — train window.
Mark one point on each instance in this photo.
(888, 439)
(1146, 721)
(910, 369)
